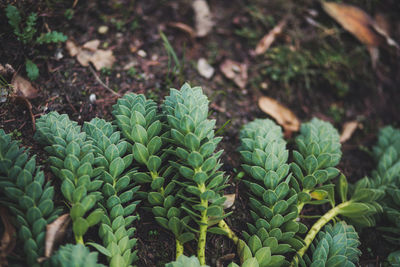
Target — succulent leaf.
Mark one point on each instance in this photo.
(272, 202)
(110, 152)
(28, 196)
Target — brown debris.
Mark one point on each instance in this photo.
(283, 116)
(8, 240)
(269, 38)
(235, 71)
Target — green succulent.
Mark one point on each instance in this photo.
(113, 155)
(387, 177)
(394, 259)
(72, 161)
(193, 143)
(185, 261)
(273, 204)
(74, 256)
(318, 154)
(27, 195)
(334, 246)
(142, 126)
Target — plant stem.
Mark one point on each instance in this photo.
(301, 204)
(203, 225)
(179, 248)
(79, 239)
(222, 224)
(316, 228)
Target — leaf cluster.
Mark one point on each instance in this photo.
(334, 246)
(72, 161)
(27, 195)
(25, 32)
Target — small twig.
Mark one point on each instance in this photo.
(101, 82)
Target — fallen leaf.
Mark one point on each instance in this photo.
(102, 59)
(9, 238)
(184, 27)
(55, 232)
(205, 69)
(269, 38)
(89, 52)
(23, 87)
(354, 20)
(230, 199)
(284, 116)
(72, 48)
(203, 18)
(92, 45)
(235, 71)
(382, 26)
(348, 130)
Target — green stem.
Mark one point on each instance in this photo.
(222, 224)
(316, 228)
(179, 248)
(79, 239)
(201, 244)
(300, 205)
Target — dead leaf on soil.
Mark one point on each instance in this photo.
(92, 45)
(354, 20)
(235, 71)
(184, 27)
(203, 17)
(55, 233)
(361, 25)
(8, 239)
(89, 52)
(269, 38)
(23, 87)
(284, 116)
(230, 199)
(348, 129)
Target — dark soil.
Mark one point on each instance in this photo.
(65, 85)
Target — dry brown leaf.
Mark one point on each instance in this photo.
(354, 20)
(72, 48)
(89, 52)
(284, 116)
(203, 17)
(235, 71)
(348, 130)
(102, 59)
(230, 199)
(23, 87)
(184, 27)
(55, 233)
(269, 38)
(92, 45)
(8, 240)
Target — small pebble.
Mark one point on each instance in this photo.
(103, 29)
(92, 98)
(142, 53)
(205, 69)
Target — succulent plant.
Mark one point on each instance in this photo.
(334, 246)
(74, 256)
(184, 261)
(318, 154)
(111, 153)
(72, 161)
(197, 162)
(273, 204)
(25, 192)
(142, 126)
